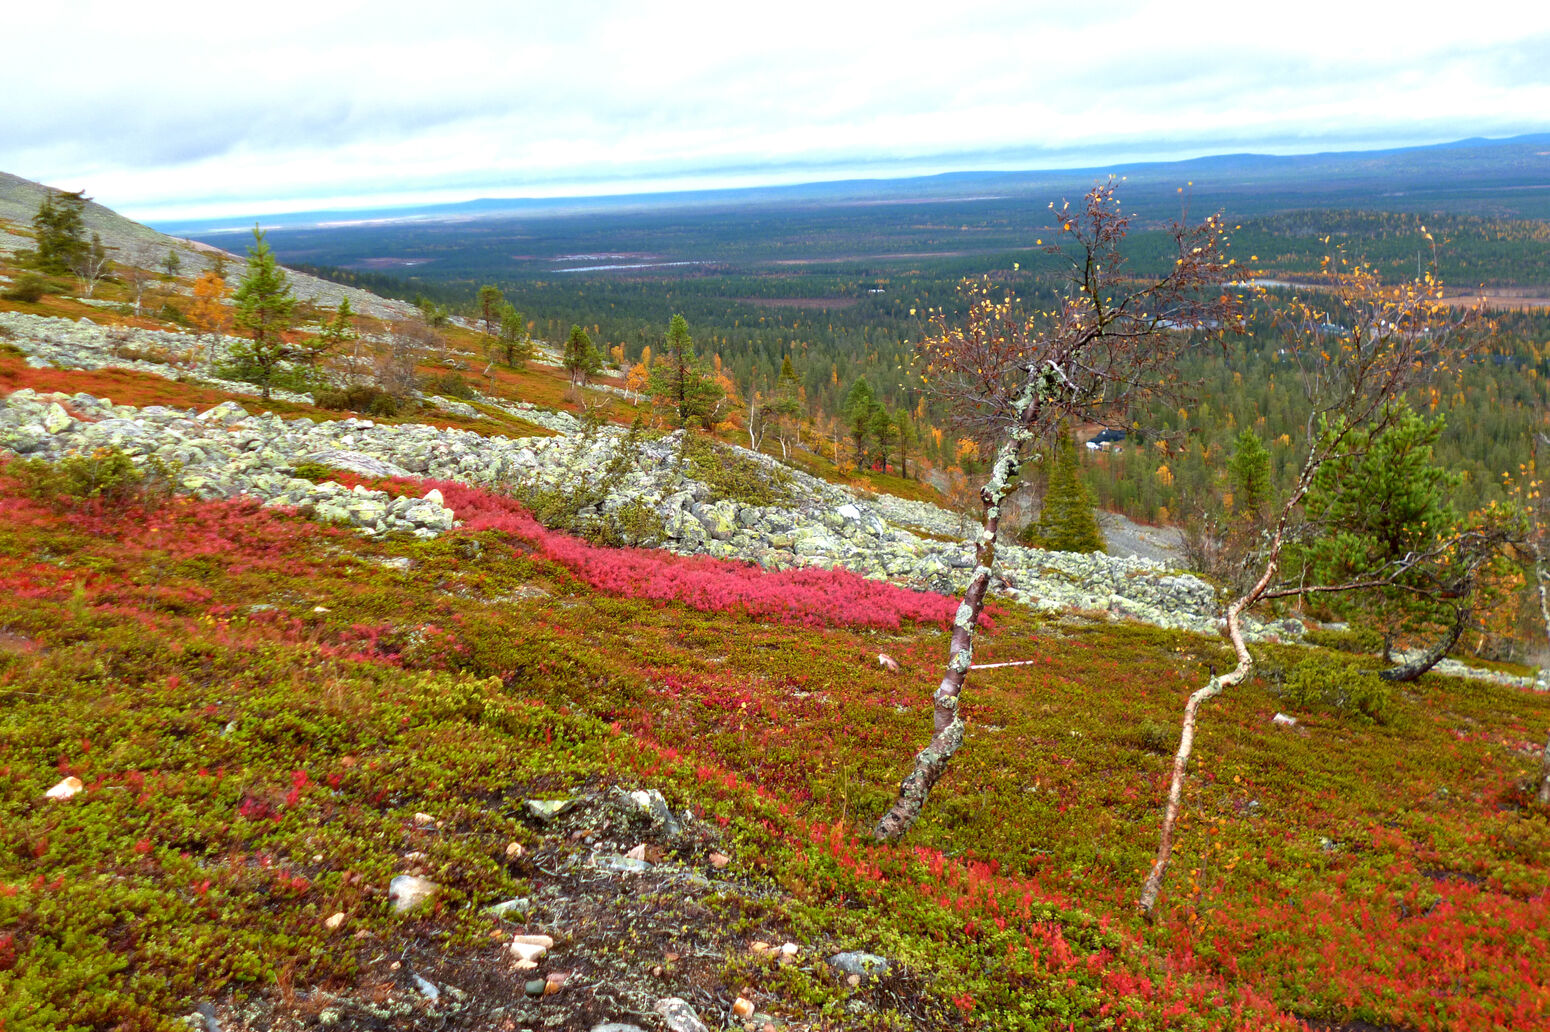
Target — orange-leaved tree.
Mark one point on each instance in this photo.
(1010, 376)
(209, 312)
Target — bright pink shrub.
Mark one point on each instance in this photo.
(817, 598)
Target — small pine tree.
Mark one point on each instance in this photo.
(1067, 522)
(60, 228)
(679, 384)
(1248, 471)
(489, 306)
(582, 358)
(334, 334)
(264, 308)
(514, 339)
(1384, 499)
(859, 405)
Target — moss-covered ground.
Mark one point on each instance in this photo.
(259, 707)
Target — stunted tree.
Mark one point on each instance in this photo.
(680, 385)
(1067, 521)
(904, 434)
(785, 409)
(396, 368)
(1011, 376)
(172, 263)
(137, 274)
(582, 359)
(209, 312)
(1527, 494)
(513, 335)
(60, 229)
(1383, 500)
(859, 405)
(264, 310)
(1248, 471)
(881, 429)
(1358, 347)
(490, 307)
(331, 336)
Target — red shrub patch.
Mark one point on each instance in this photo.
(815, 598)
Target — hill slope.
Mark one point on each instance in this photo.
(141, 245)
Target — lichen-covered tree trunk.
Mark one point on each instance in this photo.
(1414, 668)
(931, 762)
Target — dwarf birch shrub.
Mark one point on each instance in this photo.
(1334, 684)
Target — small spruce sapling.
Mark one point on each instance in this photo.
(264, 309)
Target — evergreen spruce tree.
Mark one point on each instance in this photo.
(1067, 523)
(60, 228)
(860, 403)
(679, 385)
(1248, 471)
(264, 309)
(514, 338)
(582, 359)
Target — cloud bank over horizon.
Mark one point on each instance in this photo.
(192, 113)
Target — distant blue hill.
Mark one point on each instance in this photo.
(1508, 177)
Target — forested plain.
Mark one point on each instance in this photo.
(840, 279)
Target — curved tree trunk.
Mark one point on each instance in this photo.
(1237, 675)
(931, 762)
(1414, 668)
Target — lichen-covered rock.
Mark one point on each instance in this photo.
(225, 452)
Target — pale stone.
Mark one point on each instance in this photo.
(65, 788)
(408, 891)
(528, 951)
(548, 809)
(679, 1016)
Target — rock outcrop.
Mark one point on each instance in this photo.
(226, 451)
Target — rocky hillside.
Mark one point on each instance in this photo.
(141, 245)
(780, 518)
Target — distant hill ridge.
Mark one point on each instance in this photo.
(1301, 180)
(141, 245)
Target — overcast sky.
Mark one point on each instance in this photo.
(182, 110)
